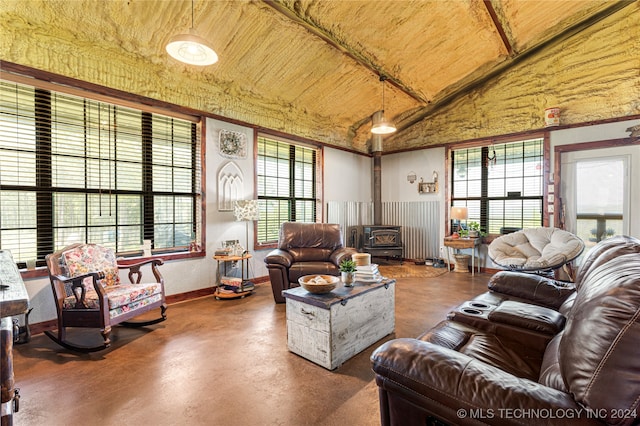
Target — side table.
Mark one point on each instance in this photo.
(244, 259)
(464, 243)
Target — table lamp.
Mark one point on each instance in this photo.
(458, 214)
(246, 211)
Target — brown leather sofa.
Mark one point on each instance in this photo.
(542, 360)
(303, 249)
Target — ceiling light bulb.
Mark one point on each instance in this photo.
(191, 49)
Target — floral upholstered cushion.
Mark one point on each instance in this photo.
(92, 258)
(124, 294)
(121, 310)
(122, 298)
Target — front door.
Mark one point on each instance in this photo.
(595, 188)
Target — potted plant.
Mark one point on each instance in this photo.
(348, 271)
(473, 228)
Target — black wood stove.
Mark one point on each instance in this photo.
(378, 240)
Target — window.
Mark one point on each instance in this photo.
(595, 183)
(75, 169)
(501, 185)
(287, 187)
(600, 188)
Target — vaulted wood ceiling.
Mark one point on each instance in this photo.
(318, 62)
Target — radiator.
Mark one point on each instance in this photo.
(420, 221)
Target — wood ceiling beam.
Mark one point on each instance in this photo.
(496, 23)
(358, 57)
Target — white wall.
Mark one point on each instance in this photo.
(347, 176)
(395, 187)
(396, 167)
(221, 225)
(600, 132)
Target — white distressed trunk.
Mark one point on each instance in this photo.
(331, 328)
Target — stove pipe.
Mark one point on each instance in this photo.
(376, 148)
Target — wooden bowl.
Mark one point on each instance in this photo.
(318, 288)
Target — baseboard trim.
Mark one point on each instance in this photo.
(189, 295)
(41, 327)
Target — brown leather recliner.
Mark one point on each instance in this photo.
(503, 371)
(304, 249)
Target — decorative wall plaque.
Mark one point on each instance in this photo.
(230, 186)
(232, 144)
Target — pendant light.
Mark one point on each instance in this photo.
(191, 48)
(381, 126)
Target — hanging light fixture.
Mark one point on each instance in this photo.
(381, 126)
(191, 48)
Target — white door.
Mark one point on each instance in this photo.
(595, 188)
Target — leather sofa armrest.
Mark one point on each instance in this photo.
(340, 254)
(455, 387)
(538, 289)
(279, 257)
(528, 316)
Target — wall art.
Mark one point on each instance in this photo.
(232, 144)
(230, 186)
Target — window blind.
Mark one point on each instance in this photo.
(287, 185)
(501, 185)
(75, 169)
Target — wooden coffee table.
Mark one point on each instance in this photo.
(328, 329)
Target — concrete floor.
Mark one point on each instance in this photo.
(218, 363)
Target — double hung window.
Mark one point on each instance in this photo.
(75, 169)
(287, 185)
(501, 185)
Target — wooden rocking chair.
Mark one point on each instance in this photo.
(88, 293)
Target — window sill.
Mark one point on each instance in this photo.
(266, 246)
(44, 272)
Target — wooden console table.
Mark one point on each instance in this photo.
(464, 243)
(14, 300)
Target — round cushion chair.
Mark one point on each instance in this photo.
(535, 249)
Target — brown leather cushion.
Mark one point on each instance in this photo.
(598, 353)
(298, 270)
(550, 368)
(500, 352)
(310, 254)
(447, 336)
(527, 316)
(535, 288)
(310, 235)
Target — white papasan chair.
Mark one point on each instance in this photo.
(535, 249)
